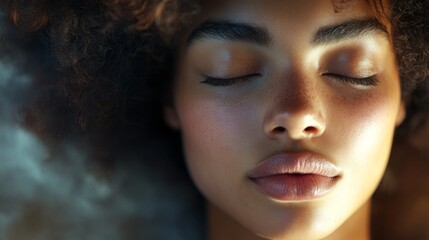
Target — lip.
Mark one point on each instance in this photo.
(295, 176)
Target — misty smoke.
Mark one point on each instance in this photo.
(57, 195)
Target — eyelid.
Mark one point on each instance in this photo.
(215, 81)
(370, 81)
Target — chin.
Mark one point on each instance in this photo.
(302, 231)
(309, 222)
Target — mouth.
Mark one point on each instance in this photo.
(295, 176)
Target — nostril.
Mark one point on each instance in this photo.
(279, 130)
(311, 130)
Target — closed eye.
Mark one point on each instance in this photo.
(222, 82)
(370, 81)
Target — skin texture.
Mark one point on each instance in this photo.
(292, 104)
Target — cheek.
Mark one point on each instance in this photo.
(375, 124)
(208, 125)
(363, 138)
(366, 124)
(214, 133)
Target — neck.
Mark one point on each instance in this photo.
(222, 227)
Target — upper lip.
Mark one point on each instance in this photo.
(295, 163)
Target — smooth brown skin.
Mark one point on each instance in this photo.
(228, 130)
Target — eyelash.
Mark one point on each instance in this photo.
(370, 81)
(223, 82)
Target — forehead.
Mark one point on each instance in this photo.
(337, 5)
(292, 20)
(295, 10)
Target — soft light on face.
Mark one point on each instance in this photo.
(292, 86)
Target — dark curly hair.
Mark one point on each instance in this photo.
(111, 56)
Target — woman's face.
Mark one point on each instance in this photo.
(287, 111)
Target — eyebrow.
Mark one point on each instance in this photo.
(348, 30)
(231, 31)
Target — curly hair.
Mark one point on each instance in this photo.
(111, 64)
(113, 53)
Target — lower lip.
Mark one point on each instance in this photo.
(295, 187)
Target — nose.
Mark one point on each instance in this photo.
(295, 114)
(294, 126)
